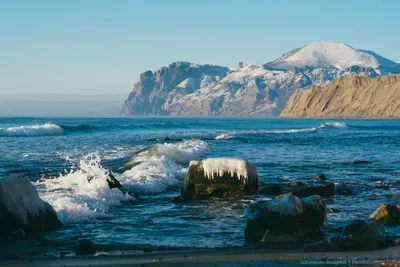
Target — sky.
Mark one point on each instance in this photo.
(97, 47)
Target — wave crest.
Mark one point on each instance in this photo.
(160, 166)
(32, 130)
(75, 198)
(334, 125)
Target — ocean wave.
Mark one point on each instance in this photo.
(223, 137)
(82, 193)
(75, 198)
(160, 166)
(32, 130)
(333, 125)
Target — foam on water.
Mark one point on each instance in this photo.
(161, 166)
(334, 125)
(223, 137)
(32, 130)
(75, 198)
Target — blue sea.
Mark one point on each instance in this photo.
(150, 157)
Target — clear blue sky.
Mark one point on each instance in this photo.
(101, 47)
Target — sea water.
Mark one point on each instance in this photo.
(150, 158)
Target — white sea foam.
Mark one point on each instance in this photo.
(160, 166)
(223, 137)
(75, 198)
(279, 131)
(32, 130)
(334, 125)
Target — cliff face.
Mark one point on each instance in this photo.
(155, 88)
(186, 89)
(348, 97)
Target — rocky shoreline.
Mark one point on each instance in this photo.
(286, 215)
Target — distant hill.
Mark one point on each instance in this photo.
(348, 97)
(187, 89)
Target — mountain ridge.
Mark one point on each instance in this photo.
(187, 89)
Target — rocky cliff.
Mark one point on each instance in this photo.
(348, 97)
(186, 89)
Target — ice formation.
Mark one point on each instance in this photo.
(216, 167)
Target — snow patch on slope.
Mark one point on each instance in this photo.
(328, 55)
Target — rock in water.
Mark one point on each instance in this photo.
(21, 207)
(219, 177)
(320, 176)
(388, 214)
(271, 237)
(85, 247)
(288, 215)
(360, 235)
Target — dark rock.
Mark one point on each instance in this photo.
(360, 235)
(388, 214)
(357, 162)
(10, 256)
(85, 247)
(18, 235)
(343, 190)
(270, 189)
(397, 242)
(333, 210)
(114, 183)
(21, 208)
(218, 178)
(64, 253)
(288, 215)
(273, 237)
(320, 176)
(299, 189)
(148, 250)
(322, 246)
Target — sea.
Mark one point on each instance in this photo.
(150, 158)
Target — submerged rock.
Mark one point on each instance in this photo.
(320, 176)
(299, 189)
(388, 214)
(288, 215)
(360, 235)
(343, 190)
(22, 208)
(85, 247)
(219, 177)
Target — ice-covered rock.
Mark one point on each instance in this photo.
(288, 215)
(219, 177)
(22, 208)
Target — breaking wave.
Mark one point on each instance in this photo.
(333, 125)
(32, 130)
(160, 166)
(83, 193)
(223, 137)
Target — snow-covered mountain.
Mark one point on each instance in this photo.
(185, 89)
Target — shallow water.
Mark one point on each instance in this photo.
(59, 155)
